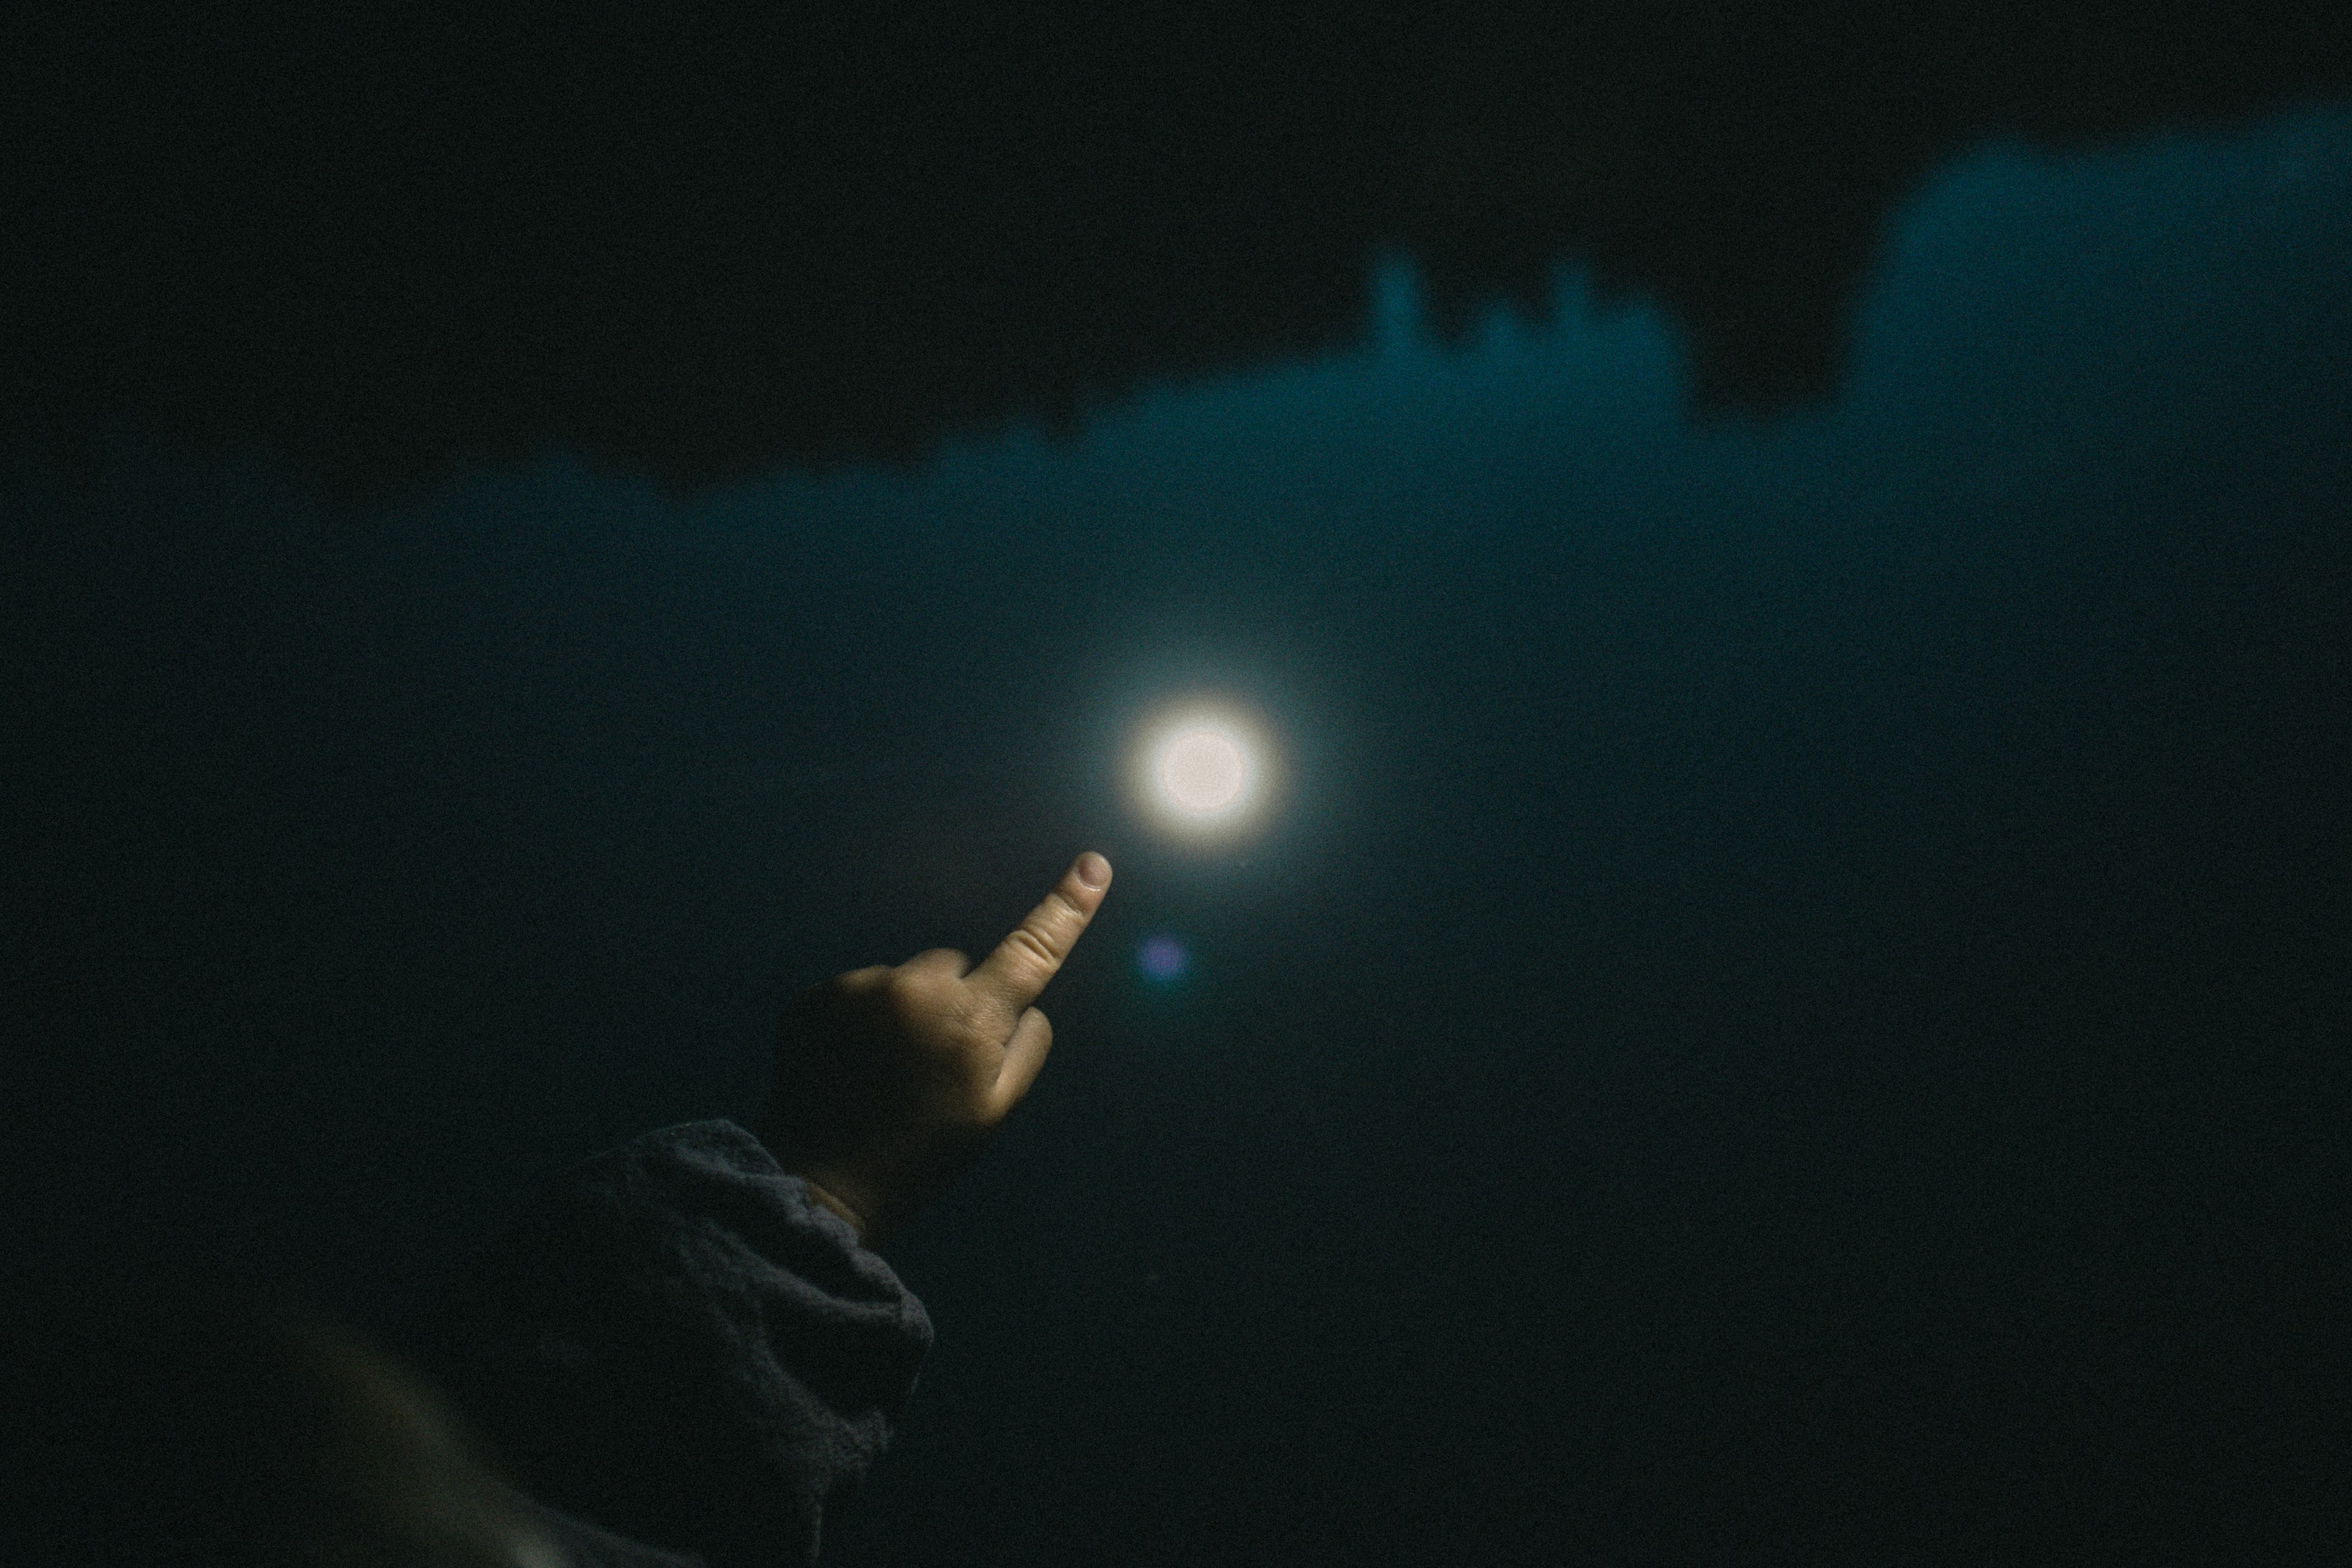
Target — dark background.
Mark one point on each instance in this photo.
(1794, 1006)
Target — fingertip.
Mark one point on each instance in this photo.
(1029, 956)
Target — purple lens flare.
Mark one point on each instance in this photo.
(1163, 958)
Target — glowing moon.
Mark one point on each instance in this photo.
(1205, 769)
(1202, 771)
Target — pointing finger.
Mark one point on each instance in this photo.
(1011, 977)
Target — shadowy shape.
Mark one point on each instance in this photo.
(176, 1411)
(705, 243)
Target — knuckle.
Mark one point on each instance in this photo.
(1033, 946)
(954, 1026)
(910, 997)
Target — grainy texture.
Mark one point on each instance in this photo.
(677, 1346)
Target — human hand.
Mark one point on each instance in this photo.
(889, 1082)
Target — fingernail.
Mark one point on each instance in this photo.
(1093, 872)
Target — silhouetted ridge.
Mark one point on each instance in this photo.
(704, 244)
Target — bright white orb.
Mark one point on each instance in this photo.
(1203, 770)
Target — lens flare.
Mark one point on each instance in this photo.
(1163, 958)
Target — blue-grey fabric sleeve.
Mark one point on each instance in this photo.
(677, 1345)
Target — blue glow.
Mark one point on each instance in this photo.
(1163, 958)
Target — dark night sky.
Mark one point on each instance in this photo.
(701, 240)
(1794, 1009)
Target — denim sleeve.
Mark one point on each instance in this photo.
(675, 1345)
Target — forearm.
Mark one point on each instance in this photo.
(848, 1216)
(683, 1344)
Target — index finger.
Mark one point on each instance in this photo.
(1013, 975)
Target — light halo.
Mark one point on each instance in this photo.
(1203, 768)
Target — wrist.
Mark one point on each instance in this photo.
(827, 1191)
(819, 1193)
